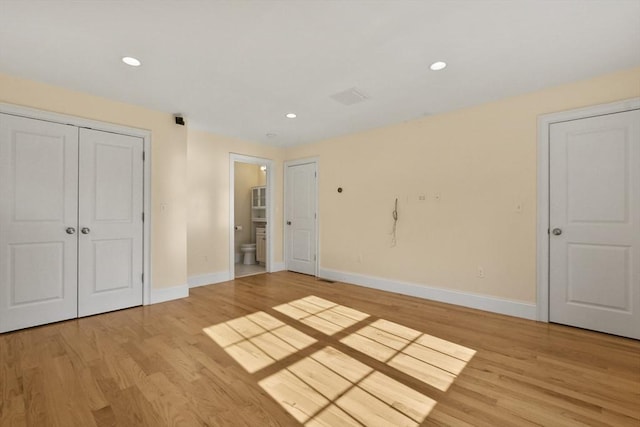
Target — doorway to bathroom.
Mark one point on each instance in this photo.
(251, 208)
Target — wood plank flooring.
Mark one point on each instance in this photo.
(286, 349)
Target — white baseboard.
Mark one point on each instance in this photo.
(168, 294)
(278, 266)
(481, 302)
(208, 279)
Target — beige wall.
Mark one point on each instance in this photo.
(246, 176)
(477, 170)
(208, 182)
(168, 157)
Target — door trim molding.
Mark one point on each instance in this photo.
(80, 122)
(316, 161)
(233, 158)
(542, 222)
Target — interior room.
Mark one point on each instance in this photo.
(363, 213)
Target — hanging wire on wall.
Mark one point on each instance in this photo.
(394, 214)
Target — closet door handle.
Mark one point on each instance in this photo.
(70, 230)
(85, 230)
(288, 222)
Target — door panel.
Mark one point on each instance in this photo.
(301, 218)
(592, 265)
(112, 259)
(113, 176)
(597, 192)
(31, 285)
(595, 202)
(38, 202)
(110, 213)
(38, 184)
(301, 250)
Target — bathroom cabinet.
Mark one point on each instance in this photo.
(259, 204)
(261, 245)
(259, 197)
(259, 220)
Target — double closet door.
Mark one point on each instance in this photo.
(71, 226)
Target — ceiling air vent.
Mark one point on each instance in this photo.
(350, 96)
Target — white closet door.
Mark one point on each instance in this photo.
(110, 222)
(595, 223)
(38, 216)
(300, 205)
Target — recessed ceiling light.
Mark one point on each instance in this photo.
(291, 115)
(129, 60)
(437, 66)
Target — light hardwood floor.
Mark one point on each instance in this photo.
(285, 349)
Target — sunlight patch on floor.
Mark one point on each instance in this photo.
(321, 314)
(429, 359)
(257, 340)
(330, 388)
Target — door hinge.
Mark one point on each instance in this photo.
(142, 277)
(143, 156)
(142, 216)
(315, 174)
(314, 257)
(315, 216)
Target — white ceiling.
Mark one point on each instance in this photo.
(236, 67)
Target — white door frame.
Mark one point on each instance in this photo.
(296, 162)
(80, 122)
(542, 232)
(233, 158)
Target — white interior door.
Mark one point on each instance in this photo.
(38, 217)
(300, 217)
(594, 276)
(110, 222)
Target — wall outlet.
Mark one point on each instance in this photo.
(422, 197)
(437, 197)
(518, 207)
(480, 272)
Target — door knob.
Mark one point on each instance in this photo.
(85, 230)
(71, 230)
(288, 222)
(557, 231)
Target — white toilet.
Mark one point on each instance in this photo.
(249, 251)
